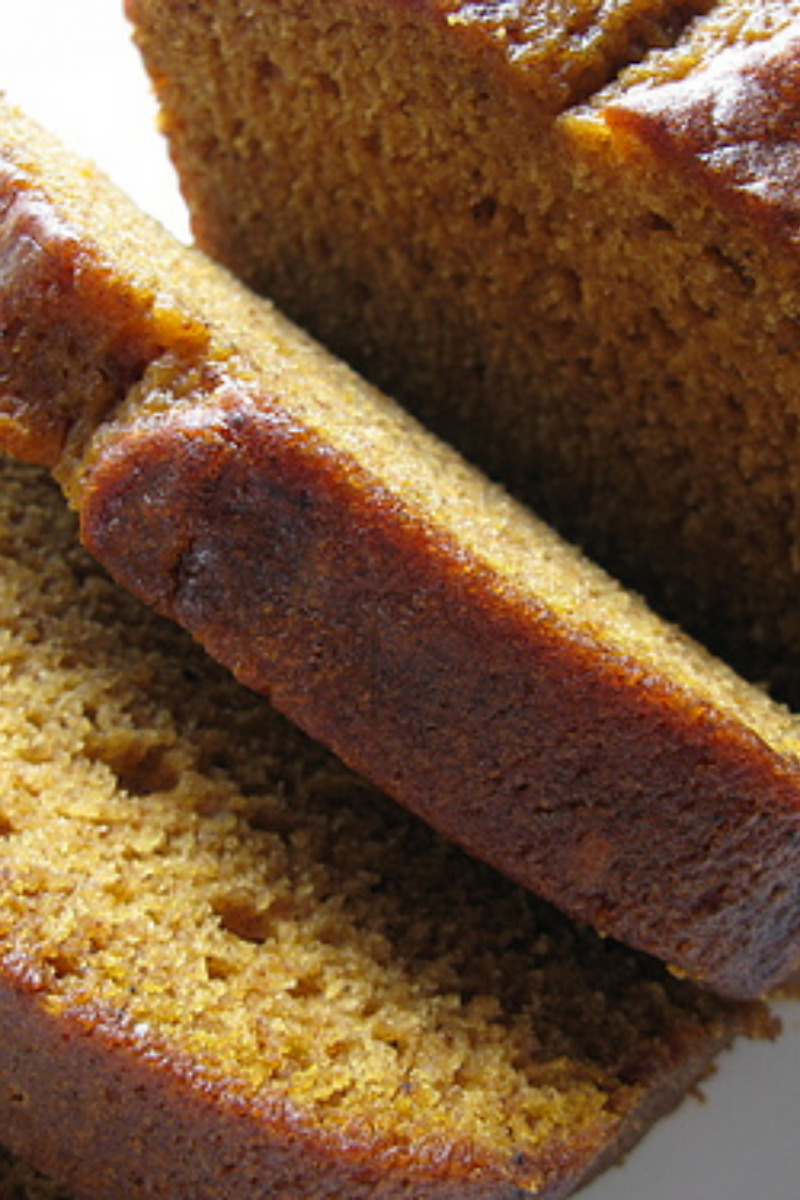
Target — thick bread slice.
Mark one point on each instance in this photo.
(231, 970)
(386, 596)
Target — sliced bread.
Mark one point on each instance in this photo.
(229, 969)
(393, 602)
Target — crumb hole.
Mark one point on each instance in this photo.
(328, 85)
(735, 270)
(141, 770)
(483, 213)
(219, 968)
(658, 223)
(63, 964)
(307, 987)
(372, 144)
(241, 916)
(581, 22)
(266, 69)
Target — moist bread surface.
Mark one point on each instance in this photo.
(402, 609)
(230, 968)
(564, 234)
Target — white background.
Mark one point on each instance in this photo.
(70, 64)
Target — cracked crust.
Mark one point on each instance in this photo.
(733, 124)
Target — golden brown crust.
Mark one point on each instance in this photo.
(734, 124)
(519, 738)
(109, 1111)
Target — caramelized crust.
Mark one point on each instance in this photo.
(47, 263)
(733, 123)
(540, 750)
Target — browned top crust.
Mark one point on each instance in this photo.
(733, 122)
(559, 53)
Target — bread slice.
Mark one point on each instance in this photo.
(388, 598)
(565, 234)
(229, 968)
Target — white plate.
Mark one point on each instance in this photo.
(70, 64)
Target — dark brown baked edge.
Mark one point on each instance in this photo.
(74, 336)
(51, 343)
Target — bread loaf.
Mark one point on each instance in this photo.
(566, 235)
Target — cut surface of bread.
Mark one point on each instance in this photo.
(565, 234)
(230, 969)
(385, 595)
